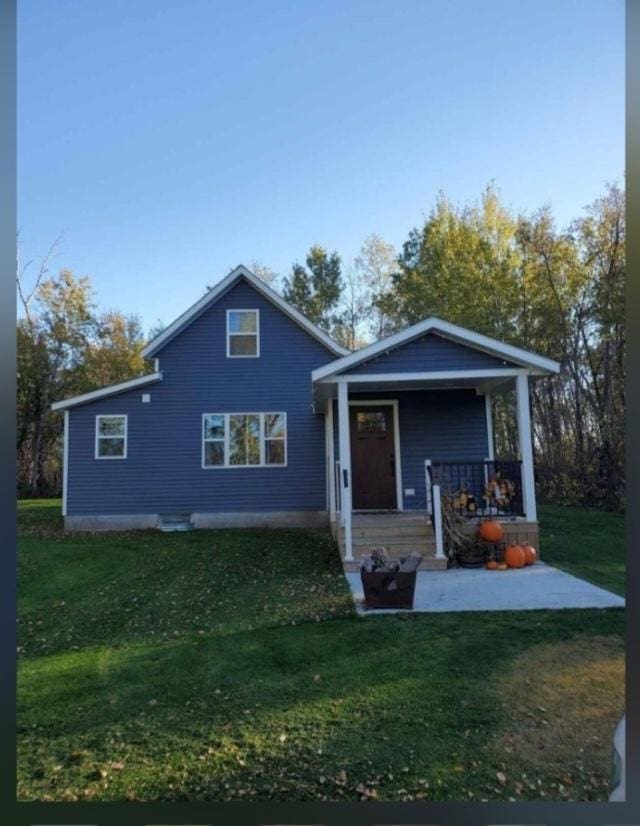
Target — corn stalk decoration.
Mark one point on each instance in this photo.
(457, 539)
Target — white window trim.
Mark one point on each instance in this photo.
(98, 437)
(263, 440)
(256, 334)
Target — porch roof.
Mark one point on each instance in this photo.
(517, 356)
(482, 381)
(472, 361)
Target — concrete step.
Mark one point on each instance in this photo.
(376, 520)
(428, 564)
(426, 541)
(396, 550)
(392, 530)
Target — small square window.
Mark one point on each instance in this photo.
(111, 437)
(243, 333)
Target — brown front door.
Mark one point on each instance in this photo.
(373, 461)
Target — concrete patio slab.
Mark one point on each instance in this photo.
(533, 588)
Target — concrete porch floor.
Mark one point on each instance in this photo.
(536, 587)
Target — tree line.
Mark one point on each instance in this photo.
(516, 277)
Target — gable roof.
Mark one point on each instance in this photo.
(111, 390)
(462, 335)
(218, 290)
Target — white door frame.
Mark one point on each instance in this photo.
(396, 438)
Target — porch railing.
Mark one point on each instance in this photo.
(492, 487)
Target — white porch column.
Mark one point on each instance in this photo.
(65, 463)
(331, 461)
(345, 467)
(487, 404)
(526, 446)
(437, 521)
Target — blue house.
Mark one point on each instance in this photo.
(254, 417)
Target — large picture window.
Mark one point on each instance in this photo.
(111, 437)
(244, 440)
(243, 333)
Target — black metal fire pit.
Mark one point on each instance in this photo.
(386, 589)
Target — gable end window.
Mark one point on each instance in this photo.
(244, 440)
(243, 333)
(111, 437)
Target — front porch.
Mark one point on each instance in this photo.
(402, 532)
(383, 487)
(408, 419)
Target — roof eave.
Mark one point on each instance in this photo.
(106, 392)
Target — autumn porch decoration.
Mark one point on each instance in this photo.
(499, 493)
(463, 547)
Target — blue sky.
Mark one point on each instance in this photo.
(171, 141)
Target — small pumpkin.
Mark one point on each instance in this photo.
(502, 566)
(492, 565)
(514, 556)
(530, 553)
(490, 530)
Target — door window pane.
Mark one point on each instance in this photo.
(374, 422)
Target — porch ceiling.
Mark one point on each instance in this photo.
(329, 390)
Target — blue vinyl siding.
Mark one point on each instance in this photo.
(162, 472)
(434, 424)
(430, 352)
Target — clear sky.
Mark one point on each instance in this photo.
(172, 140)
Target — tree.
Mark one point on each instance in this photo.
(264, 273)
(461, 266)
(52, 339)
(116, 352)
(375, 265)
(561, 293)
(353, 304)
(316, 290)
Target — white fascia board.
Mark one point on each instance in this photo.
(452, 331)
(431, 375)
(103, 392)
(215, 292)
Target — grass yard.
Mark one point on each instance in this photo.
(231, 665)
(588, 544)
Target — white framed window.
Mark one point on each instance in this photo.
(111, 436)
(244, 440)
(243, 334)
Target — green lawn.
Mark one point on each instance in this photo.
(231, 665)
(589, 544)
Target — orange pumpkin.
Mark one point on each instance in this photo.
(492, 565)
(502, 566)
(491, 531)
(530, 553)
(514, 556)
